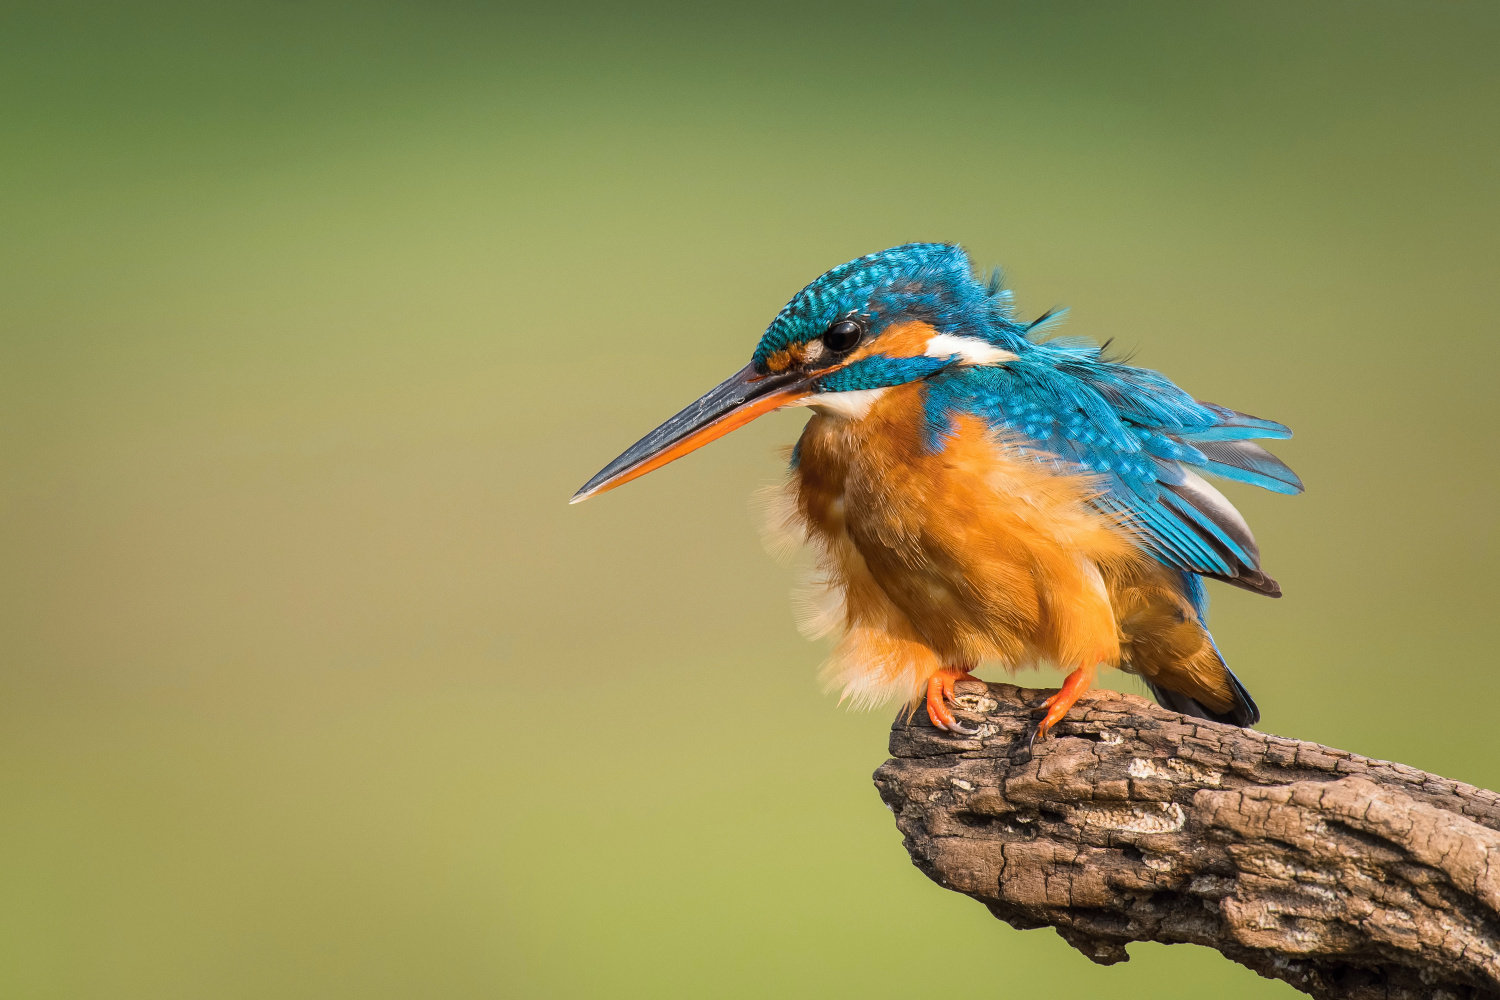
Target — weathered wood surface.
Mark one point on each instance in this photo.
(1344, 876)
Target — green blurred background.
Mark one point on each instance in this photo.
(314, 315)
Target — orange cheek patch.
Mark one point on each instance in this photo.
(904, 340)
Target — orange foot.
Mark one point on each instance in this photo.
(939, 694)
(1057, 706)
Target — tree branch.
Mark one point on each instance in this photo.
(1346, 877)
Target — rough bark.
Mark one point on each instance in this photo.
(1344, 876)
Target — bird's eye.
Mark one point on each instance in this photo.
(842, 336)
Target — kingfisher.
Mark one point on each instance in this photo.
(980, 490)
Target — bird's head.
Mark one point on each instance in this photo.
(878, 321)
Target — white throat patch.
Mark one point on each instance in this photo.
(851, 405)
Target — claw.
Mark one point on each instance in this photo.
(939, 694)
(1058, 704)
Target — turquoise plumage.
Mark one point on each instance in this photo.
(1062, 400)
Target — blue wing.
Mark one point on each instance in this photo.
(1146, 439)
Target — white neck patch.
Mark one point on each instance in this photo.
(972, 350)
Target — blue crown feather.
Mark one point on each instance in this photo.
(933, 282)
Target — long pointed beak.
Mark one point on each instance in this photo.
(732, 403)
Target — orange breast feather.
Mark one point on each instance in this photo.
(951, 558)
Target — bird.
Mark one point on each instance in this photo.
(981, 490)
